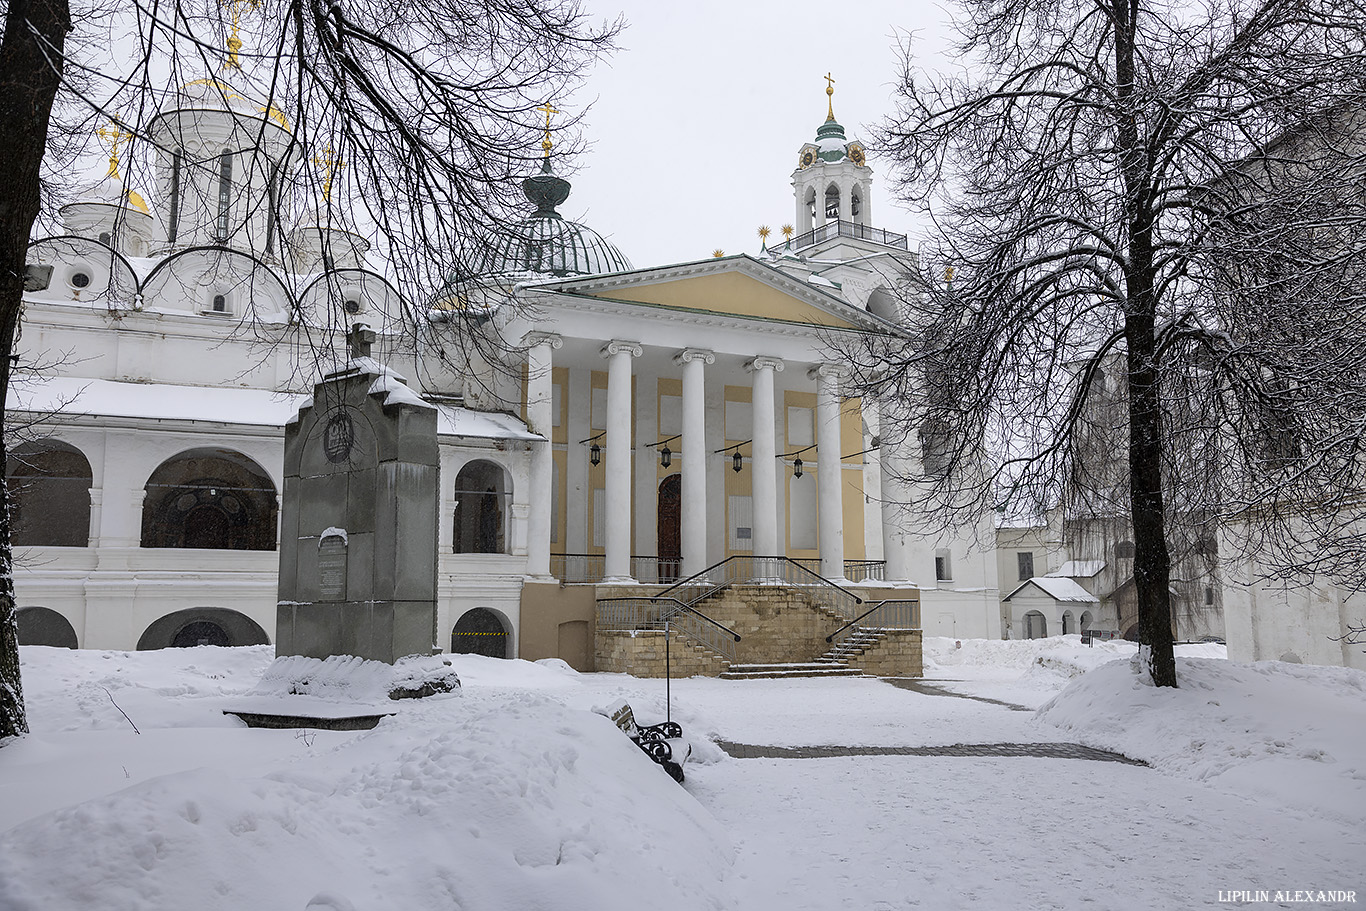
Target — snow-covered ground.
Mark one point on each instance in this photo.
(512, 793)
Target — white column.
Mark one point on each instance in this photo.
(618, 520)
(828, 467)
(895, 499)
(764, 462)
(695, 458)
(96, 513)
(540, 419)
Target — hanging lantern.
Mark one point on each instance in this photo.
(595, 454)
(797, 467)
(737, 461)
(666, 456)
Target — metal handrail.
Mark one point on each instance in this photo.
(914, 619)
(645, 613)
(745, 568)
(842, 228)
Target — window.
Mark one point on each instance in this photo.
(1025, 560)
(943, 565)
(80, 279)
(832, 202)
(220, 304)
(352, 305)
(1209, 596)
(174, 221)
(224, 194)
(105, 237)
(741, 514)
(272, 200)
(1124, 550)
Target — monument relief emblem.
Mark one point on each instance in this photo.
(338, 437)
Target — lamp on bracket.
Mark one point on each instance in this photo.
(737, 460)
(797, 459)
(666, 455)
(594, 451)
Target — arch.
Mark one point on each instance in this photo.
(258, 282)
(44, 626)
(832, 201)
(483, 494)
(209, 499)
(1036, 625)
(1087, 618)
(202, 626)
(856, 203)
(1291, 658)
(670, 527)
(1131, 634)
(481, 631)
(122, 281)
(809, 206)
(317, 303)
(49, 489)
(1069, 624)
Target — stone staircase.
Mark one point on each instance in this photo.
(789, 670)
(853, 647)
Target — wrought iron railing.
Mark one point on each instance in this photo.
(854, 570)
(840, 228)
(671, 614)
(576, 568)
(890, 614)
(744, 569)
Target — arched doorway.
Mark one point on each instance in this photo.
(49, 494)
(1036, 625)
(209, 499)
(44, 626)
(670, 528)
(1086, 620)
(202, 626)
(482, 495)
(480, 632)
(1068, 623)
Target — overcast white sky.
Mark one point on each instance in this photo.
(696, 122)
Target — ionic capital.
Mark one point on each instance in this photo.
(765, 363)
(688, 355)
(617, 346)
(553, 339)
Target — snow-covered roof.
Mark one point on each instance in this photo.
(223, 405)
(1078, 569)
(1057, 589)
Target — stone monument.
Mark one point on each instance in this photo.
(359, 517)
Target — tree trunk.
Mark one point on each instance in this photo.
(30, 71)
(1152, 560)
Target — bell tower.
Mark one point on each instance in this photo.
(833, 181)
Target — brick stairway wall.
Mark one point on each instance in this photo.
(899, 654)
(775, 624)
(640, 653)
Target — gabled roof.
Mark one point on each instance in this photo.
(739, 286)
(1078, 569)
(1057, 589)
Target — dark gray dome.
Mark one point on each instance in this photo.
(547, 242)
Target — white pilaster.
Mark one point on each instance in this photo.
(540, 419)
(694, 490)
(617, 564)
(895, 497)
(764, 462)
(828, 467)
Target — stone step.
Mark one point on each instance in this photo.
(789, 669)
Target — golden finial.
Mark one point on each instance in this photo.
(234, 41)
(548, 110)
(718, 253)
(830, 93)
(787, 231)
(948, 274)
(764, 232)
(115, 136)
(329, 165)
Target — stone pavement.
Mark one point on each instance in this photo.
(917, 685)
(1038, 750)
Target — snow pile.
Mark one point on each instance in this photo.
(491, 799)
(346, 678)
(1292, 734)
(1061, 652)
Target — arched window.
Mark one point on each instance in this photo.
(224, 194)
(211, 499)
(810, 203)
(855, 204)
(832, 201)
(202, 626)
(480, 632)
(49, 489)
(1124, 550)
(482, 495)
(1086, 620)
(173, 221)
(44, 626)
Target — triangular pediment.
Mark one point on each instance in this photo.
(740, 287)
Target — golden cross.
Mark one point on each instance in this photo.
(235, 42)
(116, 137)
(548, 110)
(330, 166)
(830, 93)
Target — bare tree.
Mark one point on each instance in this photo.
(422, 114)
(1110, 179)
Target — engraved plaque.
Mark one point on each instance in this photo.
(332, 568)
(338, 437)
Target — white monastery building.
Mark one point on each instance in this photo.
(622, 427)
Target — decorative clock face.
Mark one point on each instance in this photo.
(807, 158)
(856, 154)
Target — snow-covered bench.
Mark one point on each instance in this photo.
(663, 743)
